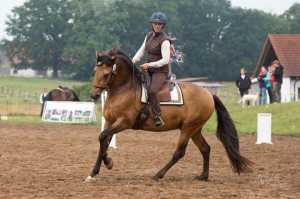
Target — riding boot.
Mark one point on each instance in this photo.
(154, 103)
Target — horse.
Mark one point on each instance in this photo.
(115, 72)
(60, 93)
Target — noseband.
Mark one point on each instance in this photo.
(111, 75)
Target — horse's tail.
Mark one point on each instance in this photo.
(227, 134)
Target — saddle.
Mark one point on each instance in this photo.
(66, 91)
(169, 94)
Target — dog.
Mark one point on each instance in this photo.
(250, 100)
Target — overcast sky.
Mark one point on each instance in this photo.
(272, 6)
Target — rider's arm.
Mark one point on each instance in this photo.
(140, 53)
(165, 52)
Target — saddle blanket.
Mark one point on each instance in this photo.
(175, 94)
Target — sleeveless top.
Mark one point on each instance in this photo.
(153, 49)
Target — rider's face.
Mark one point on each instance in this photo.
(157, 27)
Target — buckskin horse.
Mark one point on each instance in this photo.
(115, 72)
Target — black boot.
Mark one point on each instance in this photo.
(158, 121)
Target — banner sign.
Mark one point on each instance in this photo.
(69, 112)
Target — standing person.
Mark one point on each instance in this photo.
(271, 77)
(157, 45)
(264, 84)
(278, 75)
(243, 82)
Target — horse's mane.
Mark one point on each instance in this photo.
(120, 54)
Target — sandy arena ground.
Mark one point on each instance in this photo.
(51, 161)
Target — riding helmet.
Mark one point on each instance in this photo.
(158, 17)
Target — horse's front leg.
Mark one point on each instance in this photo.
(104, 139)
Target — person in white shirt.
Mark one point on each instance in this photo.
(157, 46)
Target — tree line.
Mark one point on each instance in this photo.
(216, 38)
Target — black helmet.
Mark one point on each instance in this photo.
(158, 17)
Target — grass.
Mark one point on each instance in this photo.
(18, 89)
(285, 116)
(20, 96)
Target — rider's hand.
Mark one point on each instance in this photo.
(145, 66)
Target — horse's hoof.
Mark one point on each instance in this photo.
(157, 177)
(202, 178)
(90, 179)
(109, 163)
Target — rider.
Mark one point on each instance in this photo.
(157, 45)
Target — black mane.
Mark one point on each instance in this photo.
(120, 54)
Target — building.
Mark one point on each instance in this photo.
(286, 49)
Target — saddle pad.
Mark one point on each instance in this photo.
(176, 96)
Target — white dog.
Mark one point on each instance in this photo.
(251, 99)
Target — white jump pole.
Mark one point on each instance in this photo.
(113, 142)
(264, 121)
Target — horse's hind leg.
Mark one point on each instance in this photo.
(185, 135)
(204, 148)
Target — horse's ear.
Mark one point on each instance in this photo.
(114, 51)
(98, 53)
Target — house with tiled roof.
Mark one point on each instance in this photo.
(286, 49)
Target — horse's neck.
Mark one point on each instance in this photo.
(130, 86)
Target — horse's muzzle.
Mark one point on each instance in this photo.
(96, 92)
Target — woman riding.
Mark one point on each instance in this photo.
(157, 45)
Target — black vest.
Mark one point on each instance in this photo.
(153, 49)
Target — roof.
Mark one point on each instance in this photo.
(285, 48)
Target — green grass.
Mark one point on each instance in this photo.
(22, 120)
(35, 84)
(285, 116)
(16, 89)
(20, 96)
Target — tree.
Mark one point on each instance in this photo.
(243, 40)
(293, 17)
(39, 31)
(91, 31)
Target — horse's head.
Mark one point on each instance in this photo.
(104, 70)
(113, 69)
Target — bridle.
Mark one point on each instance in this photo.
(110, 77)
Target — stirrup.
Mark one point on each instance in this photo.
(159, 122)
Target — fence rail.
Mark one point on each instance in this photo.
(18, 102)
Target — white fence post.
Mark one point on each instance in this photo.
(113, 142)
(264, 128)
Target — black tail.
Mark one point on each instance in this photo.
(227, 134)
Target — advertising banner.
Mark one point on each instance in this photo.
(69, 112)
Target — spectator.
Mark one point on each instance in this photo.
(278, 75)
(271, 79)
(264, 84)
(243, 83)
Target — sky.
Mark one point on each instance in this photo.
(271, 6)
